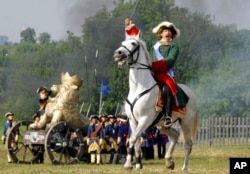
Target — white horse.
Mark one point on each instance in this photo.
(140, 104)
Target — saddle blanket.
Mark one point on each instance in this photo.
(177, 111)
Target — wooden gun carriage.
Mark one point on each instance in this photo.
(63, 143)
(63, 140)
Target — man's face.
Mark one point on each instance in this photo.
(10, 117)
(167, 35)
(112, 120)
(44, 94)
(94, 120)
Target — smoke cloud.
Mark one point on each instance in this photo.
(224, 12)
(79, 10)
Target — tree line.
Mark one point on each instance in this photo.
(213, 61)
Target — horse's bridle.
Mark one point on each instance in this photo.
(146, 67)
(131, 54)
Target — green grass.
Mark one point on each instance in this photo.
(203, 160)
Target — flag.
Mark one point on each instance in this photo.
(105, 88)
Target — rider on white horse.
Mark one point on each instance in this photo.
(165, 52)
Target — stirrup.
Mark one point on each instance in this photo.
(168, 122)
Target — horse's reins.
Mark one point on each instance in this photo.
(145, 67)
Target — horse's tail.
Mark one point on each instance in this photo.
(195, 126)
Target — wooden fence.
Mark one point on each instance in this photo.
(223, 131)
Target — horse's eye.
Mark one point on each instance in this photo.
(133, 43)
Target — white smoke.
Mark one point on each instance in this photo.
(226, 12)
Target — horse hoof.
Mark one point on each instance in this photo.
(138, 166)
(170, 165)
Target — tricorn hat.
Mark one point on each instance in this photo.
(93, 116)
(123, 116)
(103, 115)
(41, 88)
(168, 25)
(111, 116)
(9, 113)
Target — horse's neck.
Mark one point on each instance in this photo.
(140, 79)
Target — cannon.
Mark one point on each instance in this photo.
(60, 133)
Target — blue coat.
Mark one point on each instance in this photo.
(111, 130)
(7, 125)
(123, 132)
(92, 128)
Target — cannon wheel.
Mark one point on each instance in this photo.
(20, 152)
(64, 144)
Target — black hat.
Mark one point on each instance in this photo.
(41, 88)
(112, 116)
(93, 116)
(9, 113)
(103, 115)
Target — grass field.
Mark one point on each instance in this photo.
(203, 160)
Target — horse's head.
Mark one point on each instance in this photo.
(125, 54)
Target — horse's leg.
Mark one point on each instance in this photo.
(173, 134)
(188, 149)
(128, 163)
(187, 135)
(138, 154)
(134, 142)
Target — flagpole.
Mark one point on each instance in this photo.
(86, 67)
(96, 55)
(100, 103)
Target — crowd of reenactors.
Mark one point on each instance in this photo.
(108, 135)
(107, 139)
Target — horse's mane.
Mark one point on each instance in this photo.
(147, 55)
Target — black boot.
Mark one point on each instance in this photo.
(168, 107)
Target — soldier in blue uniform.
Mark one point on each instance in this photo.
(103, 118)
(148, 141)
(42, 94)
(111, 133)
(95, 139)
(122, 139)
(6, 130)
